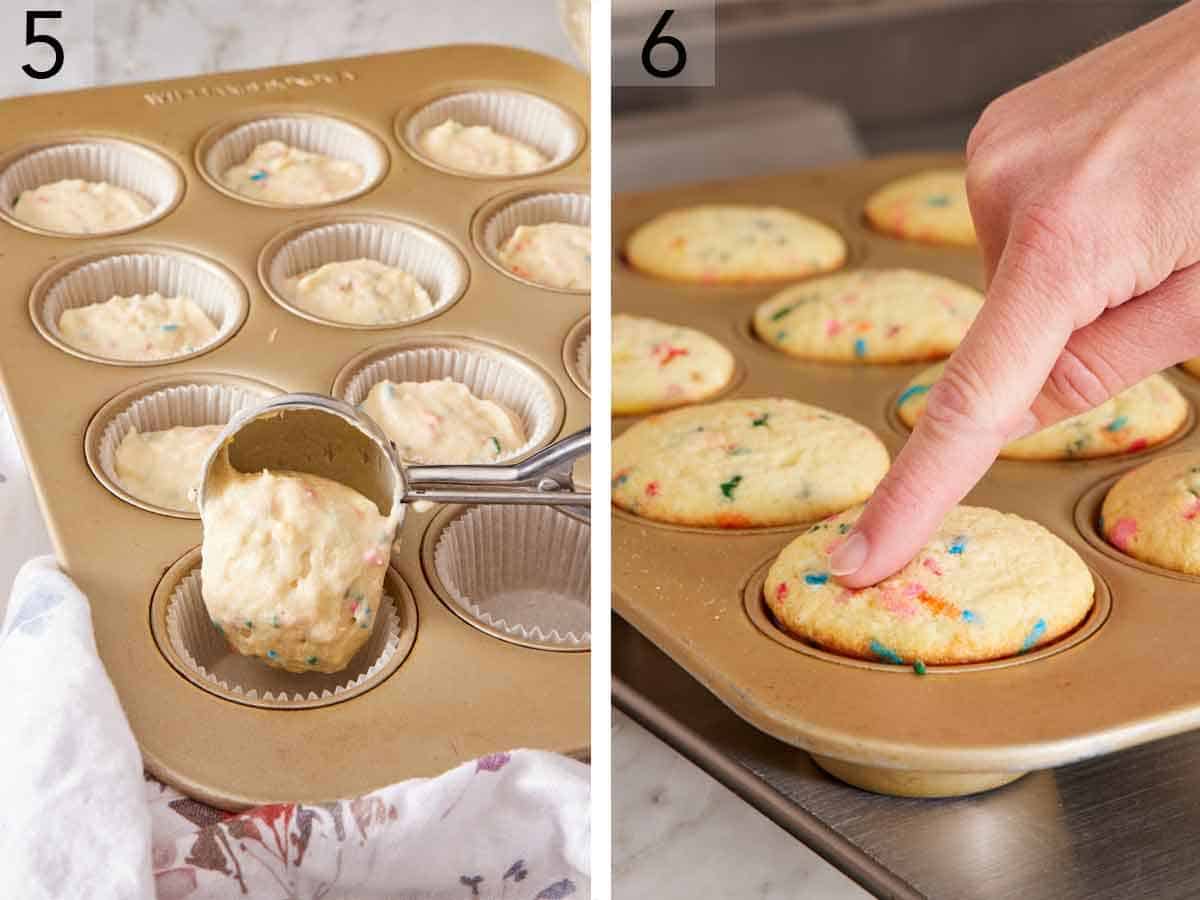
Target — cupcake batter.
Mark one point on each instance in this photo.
(73, 206)
(556, 254)
(443, 422)
(478, 150)
(162, 467)
(137, 328)
(293, 566)
(278, 173)
(359, 292)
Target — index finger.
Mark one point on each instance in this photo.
(981, 402)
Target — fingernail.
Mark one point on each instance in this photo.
(849, 555)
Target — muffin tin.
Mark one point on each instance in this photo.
(1126, 676)
(449, 689)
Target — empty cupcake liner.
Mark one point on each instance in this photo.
(203, 656)
(430, 259)
(121, 163)
(185, 400)
(519, 572)
(517, 114)
(496, 224)
(577, 354)
(173, 273)
(228, 145)
(489, 372)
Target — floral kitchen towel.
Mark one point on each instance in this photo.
(80, 820)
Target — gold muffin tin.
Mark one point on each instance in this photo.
(1126, 676)
(459, 692)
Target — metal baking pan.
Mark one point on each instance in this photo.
(460, 692)
(695, 593)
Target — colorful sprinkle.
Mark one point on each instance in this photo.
(761, 420)
(832, 327)
(170, 326)
(782, 591)
(968, 616)
(652, 489)
(844, 528)
(258, 176)
(1117, 424)
(958, 545)
(919, 667)
(728, 487)
(860, 348)
(271, 654)
(886, 653)
(783, 311)
(1122, 532)
(938, 200)
(1139, 444)
(915, 390)
(312, 660)
(1035, 635)
(620, 479)
(496, 444)
(931, 564)
(816, 578)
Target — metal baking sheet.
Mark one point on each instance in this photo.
(460, 692)
(684, 588)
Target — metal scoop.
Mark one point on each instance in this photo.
(318, 435)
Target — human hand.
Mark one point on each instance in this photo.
(1084, 185)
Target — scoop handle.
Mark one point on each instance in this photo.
(542, 479)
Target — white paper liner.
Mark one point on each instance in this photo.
(533, 209)
(313, 133)
(170, 273)
(526, 117)
(206, 654)
(186, 404)
(523, 570)
(431, 260)
(121, 163)
(583, 361)
(486, 373)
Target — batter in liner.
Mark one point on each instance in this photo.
(293, 566)
(138, 328)
(162, 467)
(359, 292)
(73, 206)
(478, 150)
(443, 422)
(556, 254)
(278, 173)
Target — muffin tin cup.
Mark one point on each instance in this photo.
(528, 118)
(98, 277)
(230, 144)
(489, 372)
(177, 400)
(497, 222)
(200, 653)
(429, 258)
(519, 573)
(122, 163)
(577, 354)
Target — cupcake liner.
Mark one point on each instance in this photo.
(490, 374)
(172, 273)
(498, 224)
(229, 145)
(520, 571)
(122, 163)
(526, 117)
(430, 259)
(207, 659)
(156, 406)
(577, 354)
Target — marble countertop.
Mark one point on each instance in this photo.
(115, 41)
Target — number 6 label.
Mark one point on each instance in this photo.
(658, 39)
(666, 47)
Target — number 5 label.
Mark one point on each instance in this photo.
(32, 38)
